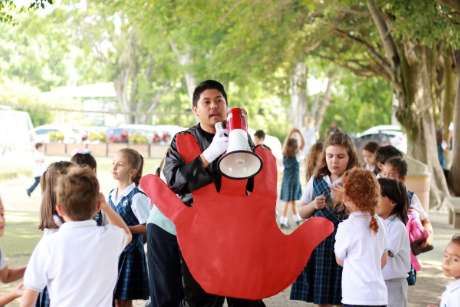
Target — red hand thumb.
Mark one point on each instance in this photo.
(161, 196)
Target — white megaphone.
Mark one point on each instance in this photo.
(239, 162)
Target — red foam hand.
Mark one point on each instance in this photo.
(230, 240)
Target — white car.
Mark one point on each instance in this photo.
(70, 134)
(384, 135)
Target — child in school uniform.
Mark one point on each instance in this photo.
(360, 242)
(79, 263)
(320, 282)
(8, 275)
(369, 153)
(291, 190)
(396, 168)
(134, 207)
(49, 218)
(451, 268)
(392, 209)
(84, 158)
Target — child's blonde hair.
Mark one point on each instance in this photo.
(362, 188)
(48, 185)
(135, 161)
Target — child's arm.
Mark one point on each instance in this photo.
(113, 217)
(11, 296)
(8, 275)
(339, 261)
(384, 259)
(307, 210)
(28, 298)
(141, 228)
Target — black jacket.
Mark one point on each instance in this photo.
(184, 178)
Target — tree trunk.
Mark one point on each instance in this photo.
(298, 94)
(420, 126)
(455, 169)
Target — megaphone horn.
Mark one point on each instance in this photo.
(239, 162)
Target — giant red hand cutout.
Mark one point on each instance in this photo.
(229, 240)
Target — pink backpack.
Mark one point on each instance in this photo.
(416, 233)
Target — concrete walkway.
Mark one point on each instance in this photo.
(21, 209)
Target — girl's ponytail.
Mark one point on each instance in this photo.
(373, 225)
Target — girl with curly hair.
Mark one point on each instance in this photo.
(360, 242)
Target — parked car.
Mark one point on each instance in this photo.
(383, 135)
(58, 133)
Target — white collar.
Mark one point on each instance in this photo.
(125, 192)
(77, 224)
(359, 213)
(454, 285)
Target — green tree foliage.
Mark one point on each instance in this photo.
(359, 104)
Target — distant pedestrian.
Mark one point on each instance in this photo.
(38, 168)
(291, 189)
(259, 137)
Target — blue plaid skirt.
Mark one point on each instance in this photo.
(321, 280)
(132, 281)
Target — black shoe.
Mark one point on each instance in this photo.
(28, 193)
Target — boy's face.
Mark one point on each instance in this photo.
(2, 218)
(210, 109)
(451, 260)
(390, 172)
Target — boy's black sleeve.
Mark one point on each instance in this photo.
(181, 177)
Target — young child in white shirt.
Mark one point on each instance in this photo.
(451, 268)
(79, 263)
(392, 209)
(360, 242)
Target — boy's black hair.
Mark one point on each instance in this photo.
(371, 146)
(260, 134)
(38, 145)
(396, 191)
(398, 164)
(386, 152)
(84, 159)
(206, 85)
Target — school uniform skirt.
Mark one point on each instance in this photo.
(321, 280)
(132, 281)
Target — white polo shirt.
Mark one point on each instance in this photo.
(398, 247)
(361, 251)
(78, 264)
(451, 296)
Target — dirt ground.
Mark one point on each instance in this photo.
(21, 236)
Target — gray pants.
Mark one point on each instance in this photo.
(397, 292)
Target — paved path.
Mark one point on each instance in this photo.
(22, 210)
